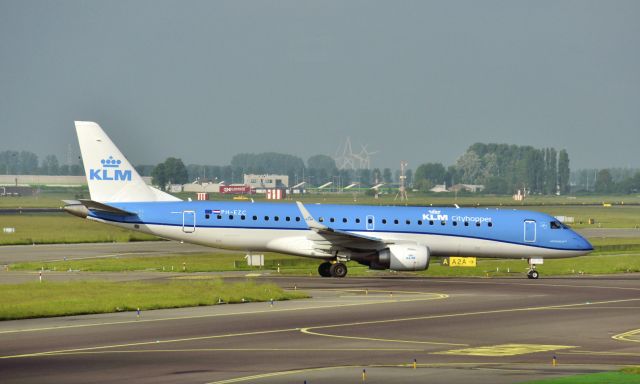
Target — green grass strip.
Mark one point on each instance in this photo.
(215, 262)
(594, 378)
(47, 299)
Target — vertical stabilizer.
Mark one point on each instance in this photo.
(110, 176)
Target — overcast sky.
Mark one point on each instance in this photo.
(415, 80)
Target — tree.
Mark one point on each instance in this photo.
(433, 172)
(175, 171)
(551, 173)
(564, 172)
(496, 185)
(470, 166)
(171, 171)
(604, 182)
(324, 162)
(386, 175)
(50, 165)
(159, 176)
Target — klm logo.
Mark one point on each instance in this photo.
(435, 215)
(110, 171)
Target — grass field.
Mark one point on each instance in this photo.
(46, 299)
(43, 199)
(62, 228)
(600, 263)
(625, 376)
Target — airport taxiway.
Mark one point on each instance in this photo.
(457, 330)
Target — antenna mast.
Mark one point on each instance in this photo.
(402, 191)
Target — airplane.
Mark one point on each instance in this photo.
(380, 237)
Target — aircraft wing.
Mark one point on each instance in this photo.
(327, 238)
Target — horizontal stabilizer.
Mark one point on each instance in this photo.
(76, 207)
(96, 206)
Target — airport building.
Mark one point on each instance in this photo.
(266, 181)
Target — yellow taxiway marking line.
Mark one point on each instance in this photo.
(476, 313)
(632, 336)
(504, 350)
(61, 351)
(485, 281)
(426, 296)
(481, 365)
(603, 353)
(239, 350)
(308, 328)
(308, 332)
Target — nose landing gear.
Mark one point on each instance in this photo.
(533, 274)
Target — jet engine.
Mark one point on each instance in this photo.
(402, 257)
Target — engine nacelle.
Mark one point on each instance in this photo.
(402, 257)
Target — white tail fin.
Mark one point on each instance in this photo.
(110, 176)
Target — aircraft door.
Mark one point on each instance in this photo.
(188, 221)
(530, 231)
(371, 222)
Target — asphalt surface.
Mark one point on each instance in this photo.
(457, 330)
(53, 252)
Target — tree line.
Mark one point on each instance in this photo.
(502, 169)
(27, 163)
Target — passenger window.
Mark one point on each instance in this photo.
(490, 224)
(477, 223)
(408, 222)
(297, 218)
(395, 221)
(207, 216)
(419, 222)
(332, 219)
(384, 221)
(357, 221)
(466, 223)
(287, 218)
(255, 217)
(276, 218)
(230, 217)
(370, 221)
(321, 219)
(266, 218)
(455, 223)
(430, 222)
(443, 222)
(242, 217)
(219, 217)
(344, 219)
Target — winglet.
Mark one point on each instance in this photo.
(311, 222)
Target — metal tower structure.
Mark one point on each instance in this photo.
(402, 191)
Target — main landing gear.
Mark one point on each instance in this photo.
(329, 269)
(533, 274)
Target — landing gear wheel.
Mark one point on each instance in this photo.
(338, 270)
(324, 269)
(533, 274)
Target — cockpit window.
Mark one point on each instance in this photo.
(555, 225)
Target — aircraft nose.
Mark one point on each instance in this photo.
(583, 244)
